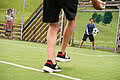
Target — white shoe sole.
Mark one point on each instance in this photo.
(47, 69)
(62, 60)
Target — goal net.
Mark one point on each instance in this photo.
(105, 21)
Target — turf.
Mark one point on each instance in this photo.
(86, 64)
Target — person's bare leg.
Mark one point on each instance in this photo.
(69, 29)
(51, 41)
(93, 45)
(81, 43)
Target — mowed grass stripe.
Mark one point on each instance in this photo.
(44, 47)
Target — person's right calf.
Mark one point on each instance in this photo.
(51, 41)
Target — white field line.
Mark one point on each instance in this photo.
(68, 52)
(30, 68)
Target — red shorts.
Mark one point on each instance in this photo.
(9, 25)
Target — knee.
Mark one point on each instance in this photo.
(54, 26)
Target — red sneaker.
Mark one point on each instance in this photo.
(50, 67)
(62, 57)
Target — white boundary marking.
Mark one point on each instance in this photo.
(30, 68)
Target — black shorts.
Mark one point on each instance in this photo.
(91, 37)
(52, 8)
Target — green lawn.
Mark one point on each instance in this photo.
(86, 64)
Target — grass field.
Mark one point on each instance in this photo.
(86, 64)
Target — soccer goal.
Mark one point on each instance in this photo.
(107, 23)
